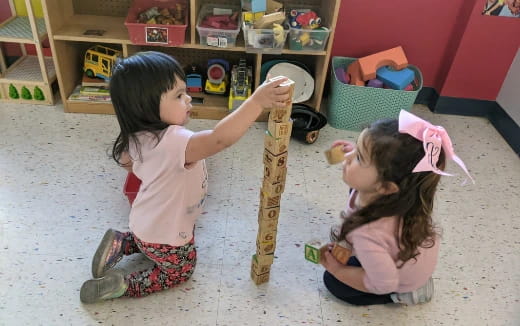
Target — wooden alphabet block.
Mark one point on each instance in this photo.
(265, 248)
(269, 213)
(261, 266)
(340, 252)
(280, 114)
(259, 279)
(314, 251)
(276, 174)
(276, 146)
(275, 161)
(280, 129)
(264, 259)
(273, 189)
(268, 201)
(266, 235)
(264, 224)
(335, 154)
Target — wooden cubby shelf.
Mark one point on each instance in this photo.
(67, 21)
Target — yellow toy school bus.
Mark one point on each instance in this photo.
(99, 61)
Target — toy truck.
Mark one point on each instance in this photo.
(217, 80)
(99, 61)
(240, 88)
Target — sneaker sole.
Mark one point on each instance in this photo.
(101, 254)
(90, 292)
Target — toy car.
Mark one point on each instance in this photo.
(99, 61)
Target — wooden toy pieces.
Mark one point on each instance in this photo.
(335, 154)
(275, 169)
(314, 251)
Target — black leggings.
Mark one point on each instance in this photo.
(351, 295)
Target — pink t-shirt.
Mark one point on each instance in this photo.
(171, 195)
(375, 246)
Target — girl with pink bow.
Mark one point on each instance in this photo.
(393, 172)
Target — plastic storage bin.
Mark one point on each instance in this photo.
(222, 38)
(263, 40)
(131, 187)
(355, 107)
(308, 39)
(155, 34)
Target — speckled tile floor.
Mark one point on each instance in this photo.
(59, 191)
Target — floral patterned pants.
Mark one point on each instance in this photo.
(173, 265)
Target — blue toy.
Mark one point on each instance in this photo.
(396, 79)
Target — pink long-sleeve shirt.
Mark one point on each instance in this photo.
(375, 246)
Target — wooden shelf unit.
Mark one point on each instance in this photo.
(28, 73)
(67, 20)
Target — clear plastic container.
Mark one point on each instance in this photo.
(264, 40)
(222, 38)
(308, 39)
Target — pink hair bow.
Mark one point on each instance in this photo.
(434, 138)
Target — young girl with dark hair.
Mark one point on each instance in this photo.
(393, 172)
(148, 91)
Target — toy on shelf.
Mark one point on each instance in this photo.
(240, 87)
(219, 25)
(163, 16)
(217, 79)
(99, 61)
(306, 30)
(194, 79)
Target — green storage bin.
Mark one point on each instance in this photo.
(355, 107)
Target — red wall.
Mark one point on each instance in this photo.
(485, 53)
(449, 40)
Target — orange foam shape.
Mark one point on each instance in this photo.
(394, 57)
(354, 73)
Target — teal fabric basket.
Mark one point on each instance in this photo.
(355, 107)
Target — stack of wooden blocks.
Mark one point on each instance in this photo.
(277, 140)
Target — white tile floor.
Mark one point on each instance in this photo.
(59, 192)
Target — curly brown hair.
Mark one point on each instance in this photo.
(395, 155)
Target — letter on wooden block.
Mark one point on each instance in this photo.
(314, 251)
(268, 201)
(269, 213)
(394, 57)
(275, 161)
(265, 248)
(280, 129)
(276, 146)
(266, 235)
(275, 175)
(261, 266)
(259, 279)
(273, 189)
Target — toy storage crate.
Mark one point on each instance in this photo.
(155, 34)
(317, 38)
(355, 107)
(222, 38)
(262, 40)
(131, 187)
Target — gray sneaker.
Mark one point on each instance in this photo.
(108, 253)
(421, 295)
(112, 285)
